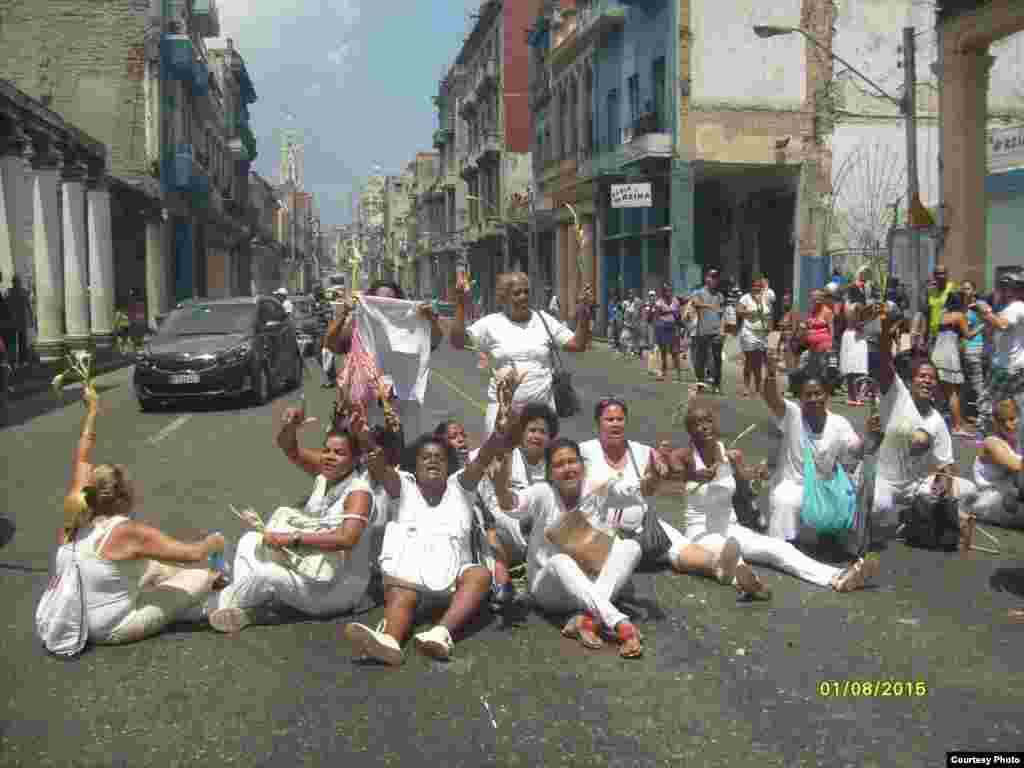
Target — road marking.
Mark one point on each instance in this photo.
(473, 401)
(166, 431)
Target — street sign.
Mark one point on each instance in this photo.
(1006, 148)
(632, 195)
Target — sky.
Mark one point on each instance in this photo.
(354, 76)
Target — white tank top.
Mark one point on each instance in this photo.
(987, 474)
(710, 504)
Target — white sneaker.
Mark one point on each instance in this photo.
(436, 643)
(374, 643)
(230, 620)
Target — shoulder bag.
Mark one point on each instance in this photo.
(312, 562)
(567, 402)
(61, 622)
(651, 537)
(828, 505)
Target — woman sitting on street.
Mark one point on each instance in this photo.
(557, 582)
(999, 470)
(809, 431)
(342, 505)
(136, 579)
(521, 337)
(710, 472)
(432, 495)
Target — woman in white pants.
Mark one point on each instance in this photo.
(998, 470)
(557, 582)
(610, 455)
(341, 499)
(709, 471)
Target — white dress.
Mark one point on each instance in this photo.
(853, 353)
(756, 323)
(258, 578)
(528, 346)
(837, 442)
(711, 520)
(997, 493)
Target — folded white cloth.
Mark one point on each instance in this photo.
(393, 332)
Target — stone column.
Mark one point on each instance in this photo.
(963, 97)
(76, 259)
(12, 170)
(102, 293)
(49, 269)
(157, 267)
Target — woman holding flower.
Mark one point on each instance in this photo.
(522, 337)
(136, 579)
(342, 508)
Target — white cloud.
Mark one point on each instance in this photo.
(254, 24)
(344, 54)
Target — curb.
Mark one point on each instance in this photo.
(39, 383)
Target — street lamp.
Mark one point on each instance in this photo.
(907, 107)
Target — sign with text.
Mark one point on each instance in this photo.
(1006, 148)
(632, 195)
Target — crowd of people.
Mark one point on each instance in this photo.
(415, 519)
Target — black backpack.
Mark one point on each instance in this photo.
(933, 523)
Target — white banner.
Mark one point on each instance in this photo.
(632, 195)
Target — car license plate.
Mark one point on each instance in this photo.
(185, 378)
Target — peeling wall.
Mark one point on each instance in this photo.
(733, 67)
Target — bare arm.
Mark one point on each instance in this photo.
(81, 464)
(134, 541)
(886, 365)
(380, 470)
(288, 441)
(347, 536)
(994, 320)
(995, 451)
(770, 392)
(580, 342)
(457, 336)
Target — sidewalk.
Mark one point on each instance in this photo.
(36, 378)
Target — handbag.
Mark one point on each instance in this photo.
(313, 563)
(651, 537)
(567, 402)
(425, 560)
(933, 522)
(575, 536)
(828, 505)
(61, 622)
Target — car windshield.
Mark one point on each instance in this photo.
(200, 319)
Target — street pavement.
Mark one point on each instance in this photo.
(722, 682)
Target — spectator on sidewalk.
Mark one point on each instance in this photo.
(19, 304)
(666, 316)
(554, 306)
(1007, 378)
(755, 312)
(709, 302)
(973, 355)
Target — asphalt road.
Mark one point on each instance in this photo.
(721, 682)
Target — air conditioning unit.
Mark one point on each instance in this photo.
(627, 135)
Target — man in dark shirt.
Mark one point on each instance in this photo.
(707, 343)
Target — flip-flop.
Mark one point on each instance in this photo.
(631, 646)
(576, 629)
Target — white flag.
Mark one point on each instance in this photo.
(394, 333)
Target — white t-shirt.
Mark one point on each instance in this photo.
(542, 504)
(454, 513)
(753, 323)
(527, 345)
(1009, 344)
(897, 469)
(837, 442)
(598, 471)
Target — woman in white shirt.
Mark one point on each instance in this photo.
(342, 501)
(136, 580)
(521, 337)
(431, 495)
(755, 311)
(1007, 377)
(610, 455)
(710, 475)
(999, 470)
(557, 582)
(808, 428)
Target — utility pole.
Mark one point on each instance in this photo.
(532, 264)
(910, 120)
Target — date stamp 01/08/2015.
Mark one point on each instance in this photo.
(872, 688)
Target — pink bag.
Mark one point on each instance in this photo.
(358, 377)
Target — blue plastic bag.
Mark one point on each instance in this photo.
(829, 505)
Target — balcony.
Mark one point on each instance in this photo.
(592, 21)
(206, 17)
(440, 138)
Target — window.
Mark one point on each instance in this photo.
(613, 118)
(634, 98)
(658, 83)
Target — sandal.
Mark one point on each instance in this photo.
(581, 627)
(630, 645)
(857, 575)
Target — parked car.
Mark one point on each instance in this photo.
(221, 347)
(306, 318)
